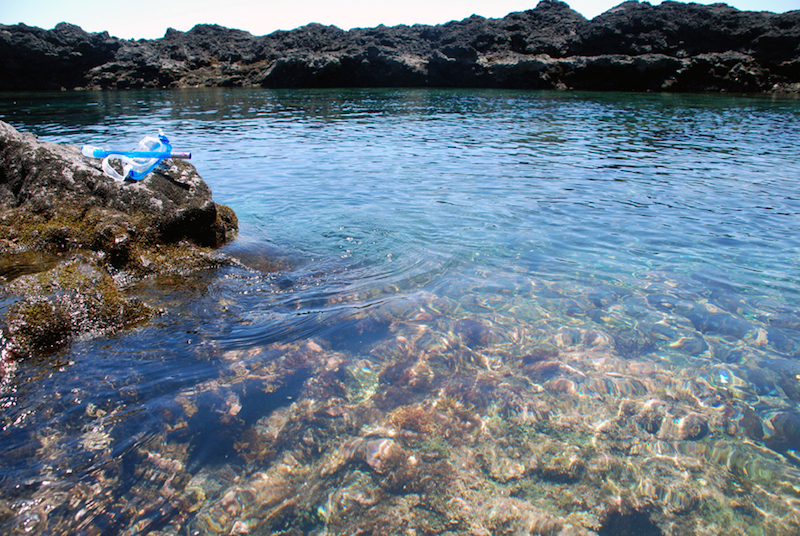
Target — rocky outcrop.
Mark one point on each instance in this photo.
(32, 58)
(72, 239)
(635, 46)
(48, 183)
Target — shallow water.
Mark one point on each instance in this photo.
(456, 312)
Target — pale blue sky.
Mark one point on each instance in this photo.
(149, 19)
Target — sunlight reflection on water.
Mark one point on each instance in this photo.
(454, 311)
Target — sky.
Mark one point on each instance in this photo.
(149, 19)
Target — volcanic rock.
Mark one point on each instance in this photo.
(633, 47)
(50, 185)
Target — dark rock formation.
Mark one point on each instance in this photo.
(32, 58)
(635, 46)
(70, 236)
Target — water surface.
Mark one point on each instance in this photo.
(455, 312)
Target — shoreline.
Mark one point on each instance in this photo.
(671, 47)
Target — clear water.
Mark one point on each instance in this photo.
(648, 245)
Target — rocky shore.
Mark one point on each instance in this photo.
(73, 241)
(632, 47)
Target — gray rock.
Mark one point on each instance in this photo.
(54, 183)
(73, 240)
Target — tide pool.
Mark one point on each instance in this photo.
(450, 312)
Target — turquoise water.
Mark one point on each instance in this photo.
(581, 273)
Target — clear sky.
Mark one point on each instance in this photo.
(149, 19)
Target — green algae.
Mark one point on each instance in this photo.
(435, 446)
(37, 324)
(75, 265)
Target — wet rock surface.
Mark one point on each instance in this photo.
(73, 239)
(632, 47)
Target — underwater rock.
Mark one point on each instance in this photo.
(36, 324)
(382, 454)
(636, 522)
(473, 333)
(501, 468)
(783, 431)
(632, 344)
(711, 320)
(96, 235)
(651, 416)
(74, 298)
(558, 462)
(691, 426)
(511, 516)
(691, 344)
(359, 334)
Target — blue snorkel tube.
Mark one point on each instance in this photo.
(140, 162)
(98, 152)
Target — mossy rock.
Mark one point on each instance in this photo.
(53, 197)
(93, 232)
(75, 298)
(37, 325)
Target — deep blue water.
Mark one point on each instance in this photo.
(669, 223)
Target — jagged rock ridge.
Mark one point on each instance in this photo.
(634, 46)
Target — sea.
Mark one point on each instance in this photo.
(446, 311)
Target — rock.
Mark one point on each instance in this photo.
(90, 234)
(54, 59)
(383, 454)
(53, 197)
(634, 46)
(77, 297)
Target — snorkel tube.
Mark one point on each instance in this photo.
(140, 162)
(97, 152)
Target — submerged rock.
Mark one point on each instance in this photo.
(92, 234)
(76, 297)
(633, 47)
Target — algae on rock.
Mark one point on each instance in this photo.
(81, 238)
